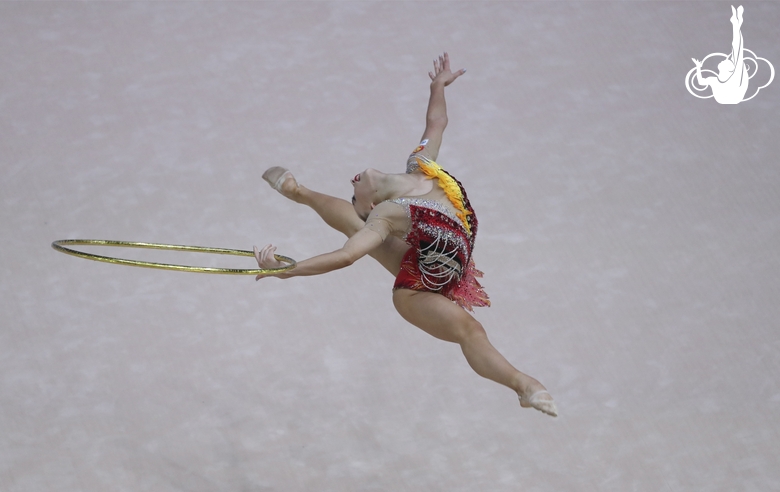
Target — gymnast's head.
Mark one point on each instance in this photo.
(366, 186)
(725, 69)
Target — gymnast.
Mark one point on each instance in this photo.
(421, 227)
(732, 82)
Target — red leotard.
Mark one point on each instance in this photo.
(439, 259)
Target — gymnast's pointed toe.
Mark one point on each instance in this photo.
(539, 402)
(275, 176)
(279, 179)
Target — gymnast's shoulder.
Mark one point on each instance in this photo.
(388, 218)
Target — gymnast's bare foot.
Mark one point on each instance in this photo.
(282, 181)
(536, 396)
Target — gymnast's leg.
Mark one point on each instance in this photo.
(338, 214)
(736, 38)
(443, 319)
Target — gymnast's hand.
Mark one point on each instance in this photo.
(442, 73)
(265, 259)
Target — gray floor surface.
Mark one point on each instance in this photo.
(629, 235)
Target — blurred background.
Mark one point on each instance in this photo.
(629, 235)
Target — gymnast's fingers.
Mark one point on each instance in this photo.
(268, 257)
(262, 256)
(268, 252)
(257, 254)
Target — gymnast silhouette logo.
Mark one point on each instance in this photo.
(734, 72)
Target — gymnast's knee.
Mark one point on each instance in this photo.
(470, 329)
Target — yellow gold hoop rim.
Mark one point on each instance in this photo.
(59, 245)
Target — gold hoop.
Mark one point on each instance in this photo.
(58, 245)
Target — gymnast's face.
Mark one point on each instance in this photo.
(365, 188)
(725, 68)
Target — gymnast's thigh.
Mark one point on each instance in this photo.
(390, 253)
(435, 314)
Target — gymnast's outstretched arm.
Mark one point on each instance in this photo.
(436, 117)
(703, 81)
(384, 219)
(340, 215)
